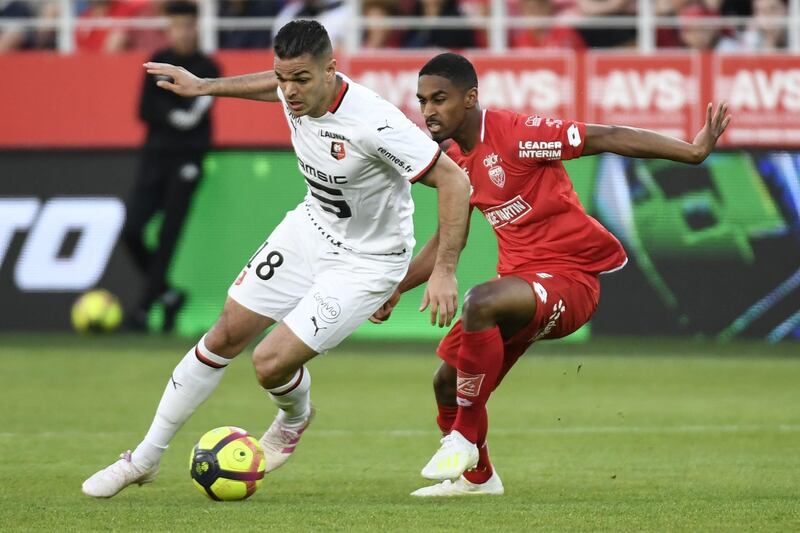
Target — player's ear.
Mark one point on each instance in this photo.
(471, 98)
(330, 69)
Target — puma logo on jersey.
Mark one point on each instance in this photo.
(507, 213)
(387, 126)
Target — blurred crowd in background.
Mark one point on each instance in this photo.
(762, 31)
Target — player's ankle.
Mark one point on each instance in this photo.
(471, 434)
(146, 455)
(479, 475)
(294, 418)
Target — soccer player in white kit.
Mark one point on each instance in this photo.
(332, 261)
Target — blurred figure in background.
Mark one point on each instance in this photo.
(703, 37)
(668, 36)
(332, 14)
(554, 36)
(99, 39)
(732, 8)
(761, 34)
(379, 10)
(22, 38)
(482, 8)
(178, 137)
(607, 37)
(251, 38)
(438, 37)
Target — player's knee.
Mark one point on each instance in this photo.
(224, 338)
(478, 308)
(271, 370)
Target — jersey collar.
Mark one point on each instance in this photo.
(339, 97)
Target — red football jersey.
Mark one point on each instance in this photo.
(523, 190)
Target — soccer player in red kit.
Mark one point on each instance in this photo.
(550, 251)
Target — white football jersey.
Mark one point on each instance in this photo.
(359, 160)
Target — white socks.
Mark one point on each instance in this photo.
(191, 383)
(294, 398)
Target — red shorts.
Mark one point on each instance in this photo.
(564, 302)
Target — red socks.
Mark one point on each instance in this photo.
(447, 415)
(483, 471)
(480, 360)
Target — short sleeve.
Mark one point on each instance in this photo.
(401, 144)
(538, 138)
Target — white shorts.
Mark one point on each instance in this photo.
(320, 291)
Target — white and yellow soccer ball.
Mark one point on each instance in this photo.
(227, 464)
(96, 311)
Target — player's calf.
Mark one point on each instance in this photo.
(444, 384)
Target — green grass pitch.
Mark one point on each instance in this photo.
(612, 435)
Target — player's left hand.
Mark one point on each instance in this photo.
(716, 123)
(176, 79)
(442, 296)
(385, 311)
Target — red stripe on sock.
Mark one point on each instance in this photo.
(294, 385)
(206, 361)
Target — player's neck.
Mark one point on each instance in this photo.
(334, 93)
(468, 134)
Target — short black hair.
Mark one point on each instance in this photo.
(180, 7)
(300, 37)
(454, 67)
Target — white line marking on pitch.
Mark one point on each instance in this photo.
(730, 428)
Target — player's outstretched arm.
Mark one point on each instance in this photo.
(453, 192)
(262, 86)
(418, 273)
(635, 142)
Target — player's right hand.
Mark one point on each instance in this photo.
(382, 315)
(442, 296)
(176, 79)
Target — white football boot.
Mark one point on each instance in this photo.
(462, 487)
(115, 477)
(454, 457)
(280, 441)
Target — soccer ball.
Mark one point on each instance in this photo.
(96, 311)
(227, 464)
